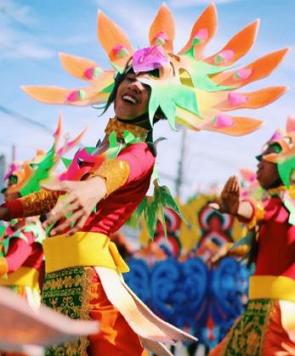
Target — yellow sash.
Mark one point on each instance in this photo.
(24, 276)
(82, 249)
(272, 287)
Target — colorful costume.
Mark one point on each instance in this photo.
(83, 272)
(267, 326)
(22, 259)
(22, 263)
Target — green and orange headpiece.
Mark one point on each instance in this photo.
(283, 144)
(191, 89)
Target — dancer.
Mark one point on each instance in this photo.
(103, 186)
(22, 258)
(21, 261)
(267, 325)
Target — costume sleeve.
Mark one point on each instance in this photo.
(19, 250)
(34, 204)
(257, 213)
(134, 162)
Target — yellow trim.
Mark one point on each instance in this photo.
(258, 214)
(24, 276)
(115, 172)
(82, 249)
(272, 287)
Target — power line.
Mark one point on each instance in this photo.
(21, 117)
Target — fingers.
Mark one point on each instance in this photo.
(231, 186)
(70, 222)
(63, 208)
(235, 185)
(79, 224)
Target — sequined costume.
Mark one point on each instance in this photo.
(83, 272)
(22, 264)
(267, 327)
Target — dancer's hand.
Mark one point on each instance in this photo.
(230, 197)
(71, 211)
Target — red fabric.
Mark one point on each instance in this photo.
(23, 253)
(276, 244)
(113, 211)
(14, 207)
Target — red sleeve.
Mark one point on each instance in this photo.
(37, 203)
(140, 160)
(15, 209)
(18, 251)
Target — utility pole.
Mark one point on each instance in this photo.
(13, 153)
(180, 177)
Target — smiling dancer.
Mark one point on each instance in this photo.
(267, 325)
(102, 187)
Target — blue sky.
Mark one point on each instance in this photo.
(32, 32)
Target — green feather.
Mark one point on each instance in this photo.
(286, 169)
(41, 173)
(168, 95)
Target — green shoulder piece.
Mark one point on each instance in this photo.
(114, 146)
(66, 161)
(130, 139)
(2, 231)
(40, 173)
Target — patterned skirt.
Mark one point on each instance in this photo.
(77, 292)
(266, 328)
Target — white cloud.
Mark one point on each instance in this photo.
(14, 45)
(187, 3)
(10, 10)
(17, 38)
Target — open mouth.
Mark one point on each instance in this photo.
(129, 99)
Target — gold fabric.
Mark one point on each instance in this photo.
(3, 266)
(120, 127)
(115, 172)
(39, 203)
(24, 276)
(82, 249)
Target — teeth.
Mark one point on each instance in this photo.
(129, 98)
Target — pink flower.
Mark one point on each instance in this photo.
(148, 59)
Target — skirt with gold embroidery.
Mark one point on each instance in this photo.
(69, 292)
(78, 293)
(267, 328)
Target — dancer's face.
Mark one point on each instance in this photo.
(132, 98)
(267, 172)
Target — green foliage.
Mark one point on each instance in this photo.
(154, 209)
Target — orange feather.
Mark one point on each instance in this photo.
(207, 21)
(237, 46)
(163, 25)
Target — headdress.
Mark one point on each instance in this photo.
(29, 174)
(284, 155)
(191, 89)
